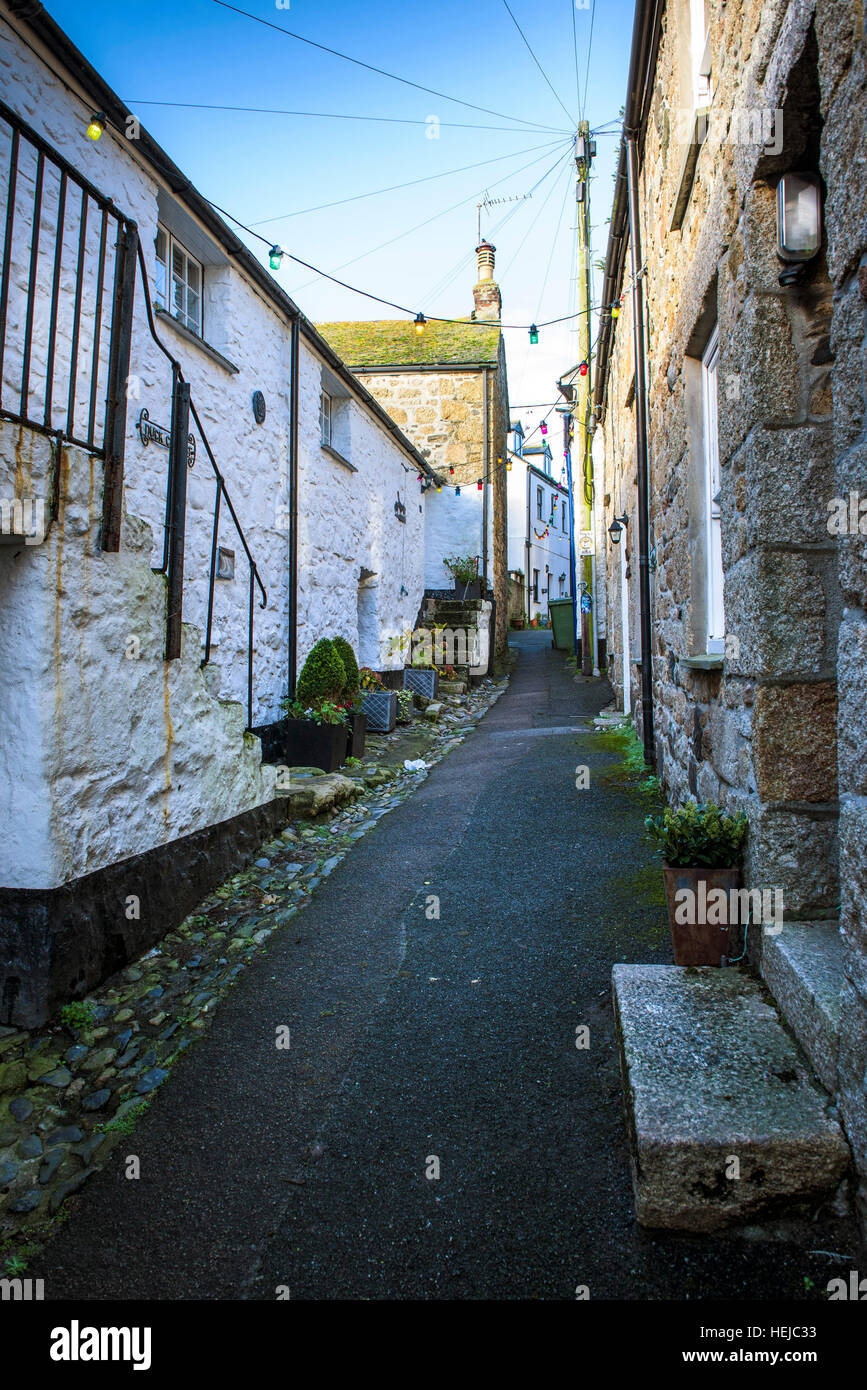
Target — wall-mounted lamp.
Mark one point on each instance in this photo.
(799, 223)
(616, 527)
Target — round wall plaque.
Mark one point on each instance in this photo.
(258, 407)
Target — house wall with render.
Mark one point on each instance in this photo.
(773, 726)
(117, 768)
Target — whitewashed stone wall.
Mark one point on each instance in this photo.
(107, 757)
(107, 750)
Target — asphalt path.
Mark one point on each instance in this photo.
(433, 1132)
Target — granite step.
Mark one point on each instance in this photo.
(725, 1119)
(803, 969)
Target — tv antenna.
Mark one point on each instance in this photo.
(488, 202)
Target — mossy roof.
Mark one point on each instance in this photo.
(395, 343)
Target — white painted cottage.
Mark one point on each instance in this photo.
(540, 524)
(154, 377)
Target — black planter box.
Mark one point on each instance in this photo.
(357, 733)
(471, 590)
(303, 743)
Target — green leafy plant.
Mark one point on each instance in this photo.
(698, 835)
(369, 680)
(15, 1265)
(323, 676)
(405, 702)
(78, 1016)
(463, 568)
(350, 666)
(353, 762)
(324, 712)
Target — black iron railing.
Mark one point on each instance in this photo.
(65, 343)
(173, 548)
(64, 347)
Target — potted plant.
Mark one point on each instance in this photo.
(355, 713)
(464, 570)
(314, 732)
(422, 677)
(405, 706)
(517, 622)
(702, 848)
(378, 703)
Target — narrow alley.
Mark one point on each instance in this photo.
(415, 1038)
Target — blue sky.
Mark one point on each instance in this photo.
(261, 166)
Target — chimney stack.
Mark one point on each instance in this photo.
(486, 292)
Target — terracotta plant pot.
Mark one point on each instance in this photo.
(700, 942)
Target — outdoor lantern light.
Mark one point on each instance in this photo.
(275, 256)
(799, 222)
(583, 369)
(451, 468)
(96, 127)
(592, 423)
(420, 322)
(439, 487)
(543, 428)
(534, 333)
(615, 310)
(617, 526)
(508, 465)
(479, 484)
(457, 492)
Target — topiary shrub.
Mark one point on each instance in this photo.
(350, 666)
(323, 675)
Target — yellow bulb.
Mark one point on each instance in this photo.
(94, 130)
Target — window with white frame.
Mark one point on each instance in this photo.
(178, 287)
(325, 417)
(710, 432)
(562, 586)
(539, 503)
(699, 26)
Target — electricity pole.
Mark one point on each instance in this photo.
(584, 151)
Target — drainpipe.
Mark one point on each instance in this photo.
(295, 345)
(529, 549)
(485, 463)
(641, 451)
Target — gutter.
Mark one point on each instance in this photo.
(40, 23)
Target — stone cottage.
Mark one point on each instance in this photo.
(193, 489)
(446, 386)
(745, 130)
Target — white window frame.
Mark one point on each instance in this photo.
(713, 521)
(195, 321)
(540, 502)
(326, 418)
(699, 28)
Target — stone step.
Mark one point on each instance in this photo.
(803, 969)
(714, 1085)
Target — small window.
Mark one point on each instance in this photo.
(325, 417)
(539, 503)
(562, 586)
(565, 514)
(713, 524)
(535, 586)
(178, 286)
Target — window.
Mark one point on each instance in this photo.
(539, 503)
(562, 586)
(325, 417)
(535, 586)
(565, 513)
(178, 287)
(699, 23)
(715, 611)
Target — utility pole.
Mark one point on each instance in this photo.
(584, 151)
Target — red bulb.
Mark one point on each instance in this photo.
(479, 484)
(583, 369)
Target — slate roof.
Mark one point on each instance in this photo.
(395, 343)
